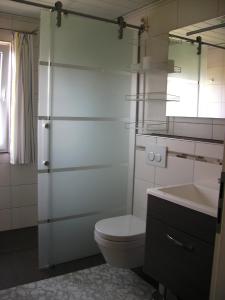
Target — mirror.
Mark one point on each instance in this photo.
(212, 83)
(198, 52)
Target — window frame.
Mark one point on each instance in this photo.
(5, 85)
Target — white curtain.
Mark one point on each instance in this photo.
(22, 132)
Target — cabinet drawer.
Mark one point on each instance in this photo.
(190, 221)
(177, 260)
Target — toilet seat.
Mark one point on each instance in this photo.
(127, 228)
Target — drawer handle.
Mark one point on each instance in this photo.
(180, 244)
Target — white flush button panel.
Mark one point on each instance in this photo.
(156, 155)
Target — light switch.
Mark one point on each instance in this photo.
(156, 155)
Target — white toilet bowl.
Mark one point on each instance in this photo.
(121, 240)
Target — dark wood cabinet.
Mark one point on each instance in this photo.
(179, 248)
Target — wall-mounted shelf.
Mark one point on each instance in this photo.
(147, 127)
(154, 96)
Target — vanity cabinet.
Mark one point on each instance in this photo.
(179, 248)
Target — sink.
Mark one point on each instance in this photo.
(193, 196)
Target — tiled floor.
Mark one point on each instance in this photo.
(98, 283)
(19, 259)
(19, 266)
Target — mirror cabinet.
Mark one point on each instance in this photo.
(199, 73)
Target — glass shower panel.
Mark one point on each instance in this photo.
(91, 143)
(97, 190)
(83, 140)
(90, 93)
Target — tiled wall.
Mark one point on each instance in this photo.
(18, 184)
(162, 18)
(201, 127)
(178, 170)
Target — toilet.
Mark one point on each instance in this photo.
(121, 240)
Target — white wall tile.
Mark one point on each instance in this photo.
(218, 132)
(140, 140)
(156, 82)
(4, 174)
(150, 140)
(171, 125)
(24, 195)
(193, 11)
(23, 175)
(24, 217)
(5, 201)
(156, 111)
(196, 121)
(142, 170)
(178, 171)
(140, 195)
(219, 122)
(209, 150)
(193, 130)
(158, 47)
(4, 158)
(177, 145)
(207, 174)
(144, 140)
(5, 219)
(140, 213)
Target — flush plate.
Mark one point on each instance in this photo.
(156, 155)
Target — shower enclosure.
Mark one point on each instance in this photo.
(85, 151)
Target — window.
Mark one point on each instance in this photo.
(5, 49)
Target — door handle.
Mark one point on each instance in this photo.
(220, 203)
(46, 163)
(179, 243)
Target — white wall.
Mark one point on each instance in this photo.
(164, 17)
(18, 184)
(178, 170)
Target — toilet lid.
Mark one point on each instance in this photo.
(122, 228)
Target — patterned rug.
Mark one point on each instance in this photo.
(99, 283)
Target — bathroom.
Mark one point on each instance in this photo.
(49, 209)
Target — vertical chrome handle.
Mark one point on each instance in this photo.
(220, 203)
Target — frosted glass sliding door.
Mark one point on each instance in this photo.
(83, 138)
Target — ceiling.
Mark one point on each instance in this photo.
(103, 8)
(216, 36)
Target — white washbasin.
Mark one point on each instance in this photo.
(193, 196)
